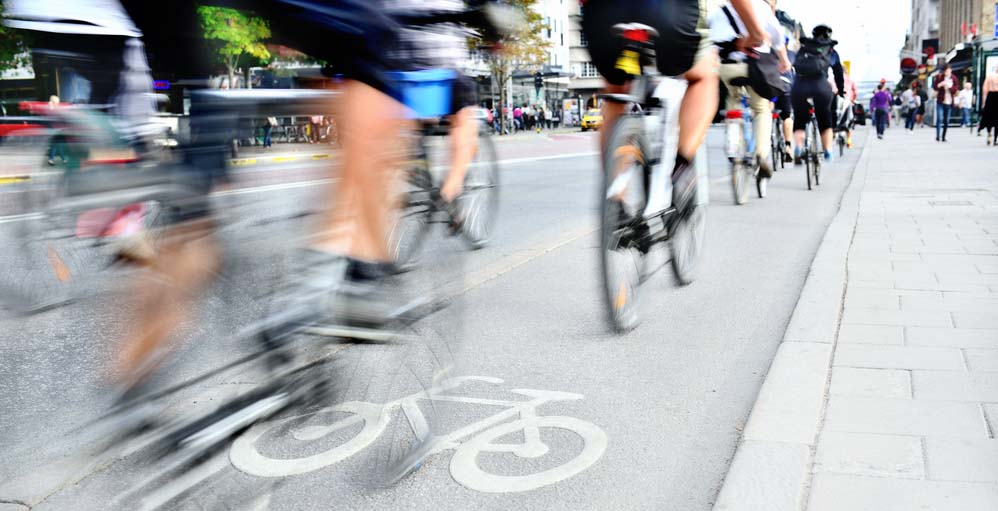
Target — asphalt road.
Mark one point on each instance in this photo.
(648, 420)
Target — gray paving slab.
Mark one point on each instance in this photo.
(870, 455)
(962, 459)
(981, 360)
(905, 417)
(766, 475)
(835, 492)
(898, 357)
(871, 334)
(881, 383)
(974, 386)
(950, 337)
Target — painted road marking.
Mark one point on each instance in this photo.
(468, 442)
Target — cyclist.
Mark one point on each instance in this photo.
(817, 53)
(728, 32)
(442, 47)
(844, 122)
(683, 47)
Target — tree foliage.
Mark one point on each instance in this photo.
(235, 34)
(13, 50)
(521, 51)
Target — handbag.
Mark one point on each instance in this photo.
(763, 71)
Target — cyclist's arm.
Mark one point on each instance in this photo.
(757, 35)
(839, 72)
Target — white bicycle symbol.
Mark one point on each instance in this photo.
(464, 467)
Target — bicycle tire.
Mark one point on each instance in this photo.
(479, 202)
(620, 273)
(816, 153)
(842, 145)
(414, 212)
(686, 244)
(739, 178)
(774, 152)
(808, 161)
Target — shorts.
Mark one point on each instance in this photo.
(819, 91)
(784, 106)
(679, 45)
(464, 93)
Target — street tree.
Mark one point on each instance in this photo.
(235, 35)
(13, 50)
(520, 51)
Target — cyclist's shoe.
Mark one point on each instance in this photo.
(762, 186)
(684, 184)
(368, 296)
(849, 142)
(788, 153)
(765, 168)
(797, 157)
(455, 217)
(828, 155)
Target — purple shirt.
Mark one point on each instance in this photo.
(881, 101)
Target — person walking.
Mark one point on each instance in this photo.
(965, 100)
(989, 110)
(911, 102)
(268, 128)
(517, 119)
(923, 97)
(541, 119)
(946, 87)
(881, 107)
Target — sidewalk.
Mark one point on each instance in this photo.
(884, 393)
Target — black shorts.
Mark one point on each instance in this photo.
(819, 91)
(463, 94)
(784, 106)
(676, 21)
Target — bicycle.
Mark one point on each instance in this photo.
(741, 151)
(845, 123)
(635, 207)
(812, 153)
(777, 142)
(366, 422)
(421, 205)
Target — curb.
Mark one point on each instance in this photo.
(771, 468)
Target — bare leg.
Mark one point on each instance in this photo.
(464, 145)
(699, 105)
(788, 130)
(187, 259)
(799, 139)
(357, 224)
(826, 139)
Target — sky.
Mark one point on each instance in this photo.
(870, 32)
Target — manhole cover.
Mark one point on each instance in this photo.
(950, 203)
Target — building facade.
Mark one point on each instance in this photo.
(958, 20)
(924, 30)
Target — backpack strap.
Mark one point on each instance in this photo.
(731, 19)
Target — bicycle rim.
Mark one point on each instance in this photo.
(413, 218)
(622, 199)
(479, 203)
(686, 244)
(816, 154)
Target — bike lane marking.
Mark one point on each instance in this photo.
(477, 437)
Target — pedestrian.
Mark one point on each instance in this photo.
(946, 87)
(923, 97)
(541, 119)
(268, 128)
(912, 102)
(56, 143)
(517, 119)
(989, 110)
(965, 99)
(314, 122)
(881, 107)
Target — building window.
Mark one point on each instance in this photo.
(563, 39)
(582, 39)
(589, 70)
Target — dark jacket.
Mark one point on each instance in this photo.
(941, 91)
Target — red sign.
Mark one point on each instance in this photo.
(908, 65)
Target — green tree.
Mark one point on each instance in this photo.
(13, 50)
(236, 34)
(522, 50)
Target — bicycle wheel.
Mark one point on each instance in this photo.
(413, 218)
(816, 153)
(808, 161)
(776, 152)
(686, 244)
(622, 201)
(739, 174)
(478, 204)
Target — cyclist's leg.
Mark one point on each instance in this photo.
(464, 137)
(786, 108)
(728, 72)
(823, 112)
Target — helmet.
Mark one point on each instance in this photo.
(821, 30)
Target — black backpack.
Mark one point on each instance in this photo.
(814, 57)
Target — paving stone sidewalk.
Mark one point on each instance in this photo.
(884, 394)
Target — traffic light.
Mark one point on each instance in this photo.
(538, 81)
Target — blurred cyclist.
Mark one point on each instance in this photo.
(816, 55)
(682, 49)
(728, 32)
(843, 121)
